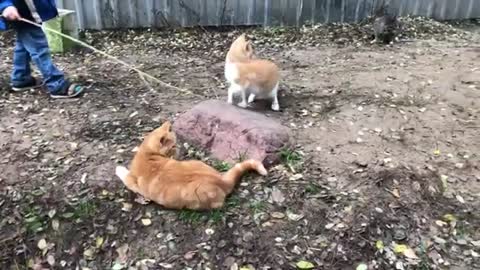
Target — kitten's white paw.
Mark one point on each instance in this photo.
(242, 105)
(121, 172)
(229, 101)
(275, 107)
(251, 98)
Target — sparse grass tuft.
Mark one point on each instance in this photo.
(34, 221)
(257, 206)
(84, 209)
(291, 158)
(214, 216)
(312, 188)
(191, 216)
(221, 166)
(242, 157)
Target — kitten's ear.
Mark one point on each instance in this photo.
(249, 47)
(167, 126)
(163, 139)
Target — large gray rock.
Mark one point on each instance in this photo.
(228, 132)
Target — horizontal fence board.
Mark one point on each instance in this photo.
(120, 14)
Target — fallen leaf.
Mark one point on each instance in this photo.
(436, 152)
(305, 265)
(449, 218)
(379, 245)
(460, 199)
(293, 216)
(189, 255)
(443, 179)
(399, 249)
(277, 215)
(277, 195)
(99, 242)
(409, 253)
(83, 179)
(51, 260)
(118, 266)
(146, 221)
(122, 253)
(362, 266)
(329, 226)
(55, 224)
(52, 213)
(296, 177)
(126, 207)
(440, 223)
(42, 244)
(474, 254)
(68, 215)
(30, 263)
(88, 253)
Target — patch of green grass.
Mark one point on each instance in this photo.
(462, 229)
(232, 202)
(191, 216)
(214, 216)
(33, 221)
(257, 206)
(312, 188)
(291, 158)
(82, 210)
(424, 261)
(242, 156)
(221, 166)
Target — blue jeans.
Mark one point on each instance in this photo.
(32, 44)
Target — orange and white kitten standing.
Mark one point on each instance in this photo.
(257, 78)
(179, 184)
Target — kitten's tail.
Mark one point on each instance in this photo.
(121, 173)
(232, 176)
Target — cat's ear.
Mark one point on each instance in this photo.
(163, 139)
(248, 47)
(167, 126)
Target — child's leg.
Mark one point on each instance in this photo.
(35, 42)
(21, 64)
(22, 74)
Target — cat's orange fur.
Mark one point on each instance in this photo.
(179, 184)
(247, 75)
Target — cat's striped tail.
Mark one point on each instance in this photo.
(232, 176)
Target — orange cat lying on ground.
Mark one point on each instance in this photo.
(250, 76)
(179, 184)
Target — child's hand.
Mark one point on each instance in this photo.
(11, 13)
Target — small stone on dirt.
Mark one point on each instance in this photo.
(277, 196)
(248, 236)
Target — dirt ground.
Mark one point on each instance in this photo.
(385, 172)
